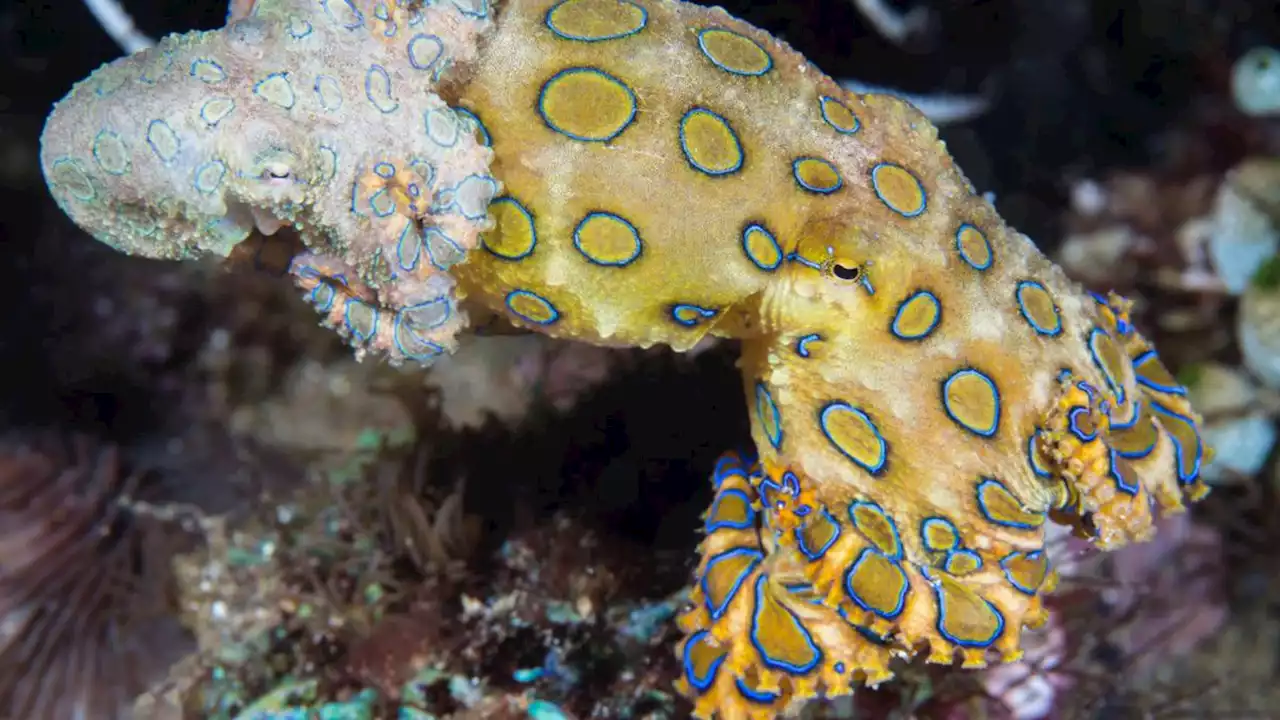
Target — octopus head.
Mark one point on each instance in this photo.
(187, 147)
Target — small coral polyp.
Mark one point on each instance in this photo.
(926, 389)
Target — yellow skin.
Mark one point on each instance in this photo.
(926, 389)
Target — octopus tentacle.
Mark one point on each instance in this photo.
(1122, 450)
(756, 636)
(960, 600)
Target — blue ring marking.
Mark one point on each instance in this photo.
(210, 116)
(764, 655)
(1143, 359)
(1004, 565)
(717, 612)
(483, 10)
(533, 229)
(433, 233)
(884, 445)
(688, 156)
(555, 314)
(381, 12)
(1117, 388)
(995, 393)
(756, 227)
(207, 63)
(485, 138)
(542, 96)
(1140, 454)
(326, 284)
(726, 467)
(1137, 413)
(402, 326)
(897, 539)
(1036, 468)
(329, 92)
(307, 272)
(746, 524)
(857, 122)
(350, 326)
(1121, 484)
(875, 187)
(384, 79)
(177, 141)
(902, 596)
(298, 31)
(1180, 451)
(703, 314)
(790, 486)
(358, 16)
(197, 179)
(1022, 309)
(293, 98)
(953, 553)
(450, 124)
(759, 697)
(982, 505)
(1074, 425)
(707, 53)
(128, 161)
(701, 684)
(764, 402)
(451, 195)
(382, 203)
(635, 234)
(322, 296)
(147, 77)
(991, 257)
(644, 22)
(937, 317)
(795, 173)
(924, 533)
(942, 611)
(802, 345)
(384, 170)
(815, 554)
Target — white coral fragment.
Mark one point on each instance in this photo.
(1258, 325)
(1244, 231)
(1255, 82)
(1237, 425)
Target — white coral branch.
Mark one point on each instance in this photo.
(117, 23)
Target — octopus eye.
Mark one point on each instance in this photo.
(276, 171)
(845, 272)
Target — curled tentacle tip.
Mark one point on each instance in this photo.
(825, 607)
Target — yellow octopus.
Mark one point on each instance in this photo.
(926, 389)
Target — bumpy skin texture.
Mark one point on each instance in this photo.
(927, 390)
(321, 115)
